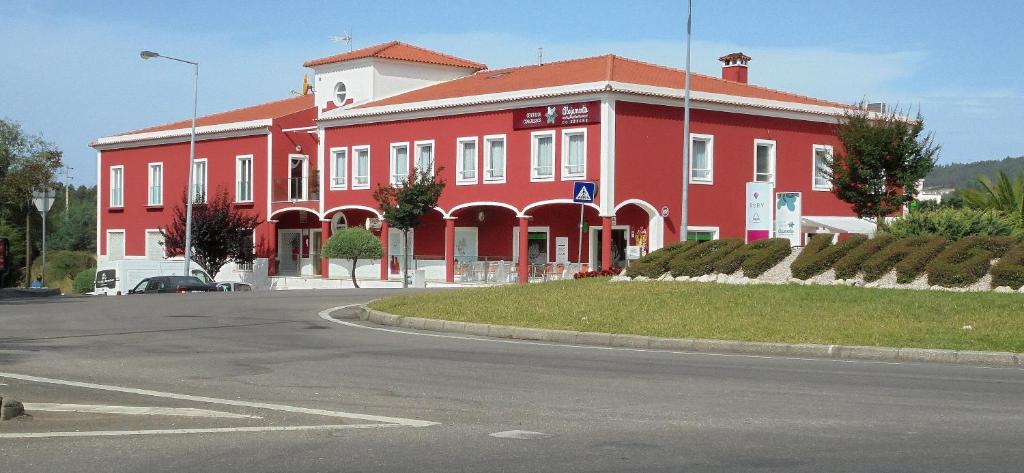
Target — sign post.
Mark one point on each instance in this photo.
(787, 216)
(43, 200)
(759, 211)
(583, 192)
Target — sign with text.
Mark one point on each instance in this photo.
(570, 114)
(759, 211)
(562, 249)
(788, 211)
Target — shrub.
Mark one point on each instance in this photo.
(820, 254)
(85, 281)
(954, 224)
(849, 265)
(966, 261)
(62, 265)
(755, 258)
(655, 263)
(915, 263)
(882, 262)
(1009, 271)
(353, 244)
(701, 259)
(613, 271)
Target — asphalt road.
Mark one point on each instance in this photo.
(284, 390)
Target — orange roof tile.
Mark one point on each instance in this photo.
(399, 51)
(594, 69)
(269, 110)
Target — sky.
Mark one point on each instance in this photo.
(70, 70)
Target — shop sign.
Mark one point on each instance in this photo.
(759, 215)
(787, 216)
(570, 114)
(562, 250)
(633, 252)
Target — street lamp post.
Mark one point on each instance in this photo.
(684, 220)
(191, 152)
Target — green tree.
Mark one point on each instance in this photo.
(1004, 194)
(73, 228)
(220, 232)
(881, 160)
(353, 244)
(404, 205)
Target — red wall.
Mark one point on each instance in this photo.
(648, 163)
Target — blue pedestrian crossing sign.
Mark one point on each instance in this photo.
(584, 192)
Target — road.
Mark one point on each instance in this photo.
(259, 382)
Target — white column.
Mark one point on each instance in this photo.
(606, 196)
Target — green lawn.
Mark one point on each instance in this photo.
(791, 313)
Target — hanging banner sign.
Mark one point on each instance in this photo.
(788, 212)
(583, 113)
(759, 211)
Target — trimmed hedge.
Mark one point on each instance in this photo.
(820, 254)
(954, 224)
(849, 265)
(656, 263)
(1009, 271)
(915, 263)
(966, 261)
(881, 263)
(701, 259)
(755, 258)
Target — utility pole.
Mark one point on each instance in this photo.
(686, 129)
(67, 186)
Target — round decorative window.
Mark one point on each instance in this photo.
(340, 92)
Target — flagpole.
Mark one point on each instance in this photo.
(683, 222)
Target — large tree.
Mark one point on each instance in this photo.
(881, 160)
(220, 232)
(353, 244)
(405, 205)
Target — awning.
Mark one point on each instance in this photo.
(815, 224)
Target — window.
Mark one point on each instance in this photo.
(156, 184)
(764, 161)
(339, 168)
(542, 161)
(361, 167)
(702, 158)
(117, 186)
(243, 178)
(399, 163)
(494, 158)
(467, 158)
(701, 233)
(425, 156)
(822, 179)
(298, 173)
(199, 181)
(574, 154)
(340, 93)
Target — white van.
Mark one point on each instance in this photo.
(118, 276)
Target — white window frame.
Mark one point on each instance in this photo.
(459, 171)
(393, 178)
(531, 229)
(710, 139)
(369, 162)
(433, 154)
(566, 176)
(535, 163)
(149, 188)
(488, 178)
(714, 231)
(238, 177)
(814, 168)
(120, 188)
(206, 179)
(155, 231)
(772, 170)
(339, 182)
(305, 176)
(124, 241)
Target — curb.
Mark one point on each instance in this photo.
(838, 352)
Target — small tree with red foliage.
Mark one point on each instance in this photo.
(220, 232)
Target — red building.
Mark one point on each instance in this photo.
(510, 144)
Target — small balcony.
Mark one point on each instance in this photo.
(295, 189)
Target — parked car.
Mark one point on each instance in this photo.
(171, 284)
(231, 286)
(116, 277)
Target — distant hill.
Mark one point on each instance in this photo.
(956, 175)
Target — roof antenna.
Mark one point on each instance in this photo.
(540, 56)
(345, 37)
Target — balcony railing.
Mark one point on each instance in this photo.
(294, 189)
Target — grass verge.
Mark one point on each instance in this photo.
(791, 313)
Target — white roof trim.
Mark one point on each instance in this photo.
(839, 224)
(699, 96)
(180, 132)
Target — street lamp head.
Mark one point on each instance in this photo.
(148, 54)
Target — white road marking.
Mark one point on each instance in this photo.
(227, 402)
(325, 314)
(133, 410)
(521, 435)
(116, 433)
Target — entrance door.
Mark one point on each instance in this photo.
(289, 251)
(618, 247)
(314, 252)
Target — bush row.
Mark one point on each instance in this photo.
(820, 254)
(1009, 271)
(701, 259)
(848, 266)
(656, 263)
(922, 248)
(755, 258)
(966, 261)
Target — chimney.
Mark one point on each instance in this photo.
(734, 67)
